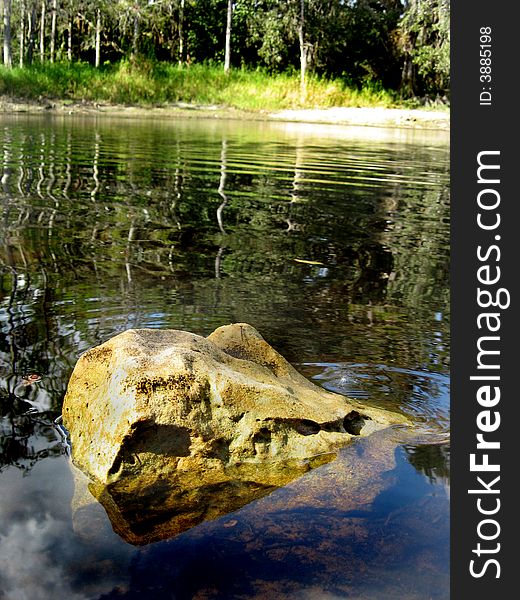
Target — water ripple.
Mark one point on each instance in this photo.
(423, 396)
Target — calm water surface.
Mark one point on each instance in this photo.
(332, 242)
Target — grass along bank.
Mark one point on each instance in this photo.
(147, 84)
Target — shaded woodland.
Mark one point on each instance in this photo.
(397, 45)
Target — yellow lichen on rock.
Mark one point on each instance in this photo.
(166, 421)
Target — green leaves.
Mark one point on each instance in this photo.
(386, 43)
(425, 41)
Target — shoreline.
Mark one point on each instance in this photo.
(370, 117)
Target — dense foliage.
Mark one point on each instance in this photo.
(394, 44)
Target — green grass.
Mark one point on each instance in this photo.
(145, 83)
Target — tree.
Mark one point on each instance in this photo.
(396, 44)
(181, 33)
(227, 52)
(8, 57)
(42, 30)
(425, 44)
(54, 16)
(31, 30)
(352, 40)
(70, 25)
(274, 29)
(22, 33)
(303, 52)
(97, 60)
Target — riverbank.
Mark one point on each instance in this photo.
(369, 116)
(142, 89)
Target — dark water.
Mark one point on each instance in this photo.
(332, 242)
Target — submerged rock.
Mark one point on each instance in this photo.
(174, 428)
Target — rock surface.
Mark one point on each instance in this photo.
(191, 428)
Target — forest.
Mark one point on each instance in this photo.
(399, 46)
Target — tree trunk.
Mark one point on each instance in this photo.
(407, 86)
(31, 22)
(8, 57)
(303, 53)
(136, 33)
(53, 30)
(22, 33)
(2, 14)
(181, 33)
(98, 37)
(227, 54)
(69, 33)
(42, 31)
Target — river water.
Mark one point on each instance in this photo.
(332, 241)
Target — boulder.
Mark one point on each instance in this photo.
(173, 428)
